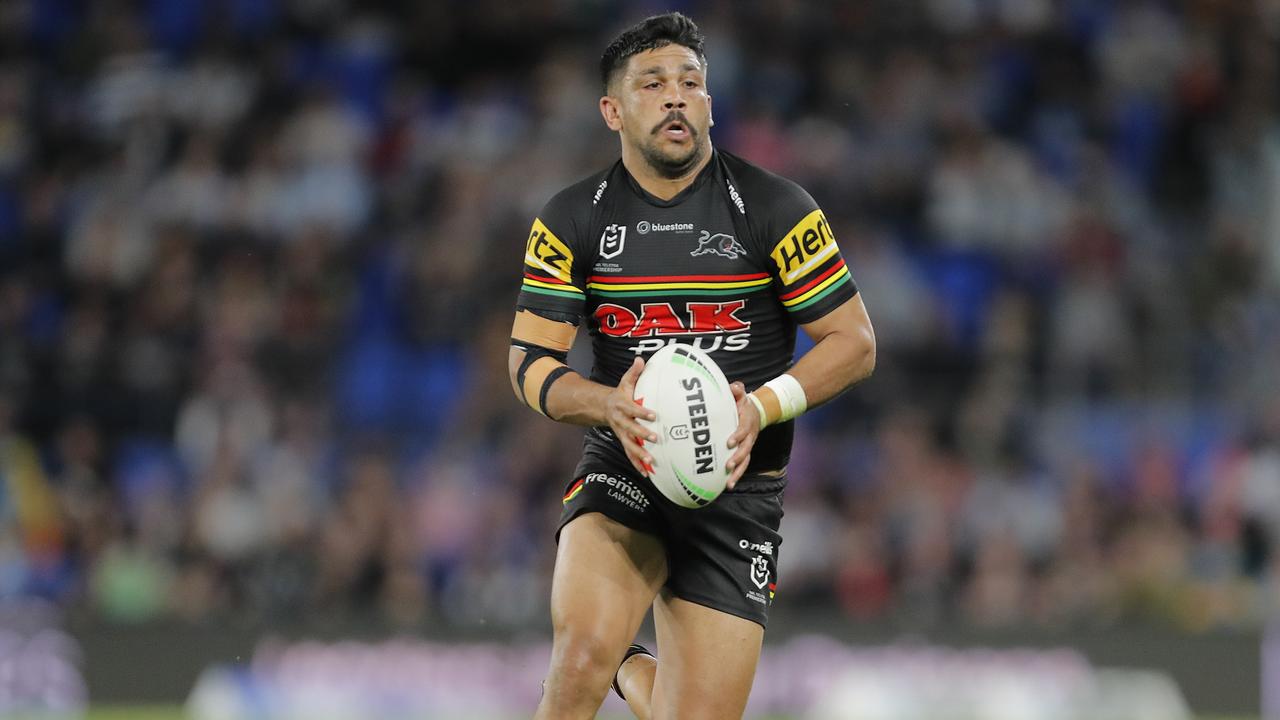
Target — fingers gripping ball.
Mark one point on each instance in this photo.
(696, 414)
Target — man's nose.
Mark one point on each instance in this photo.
(675, 102)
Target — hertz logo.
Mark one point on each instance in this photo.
(808, 244)
(545, 251)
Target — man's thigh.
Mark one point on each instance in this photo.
(708, 661)
(610, 562)
(606, 577)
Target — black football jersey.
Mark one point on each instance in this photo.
(732, 265)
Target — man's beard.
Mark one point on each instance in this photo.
(667, 166)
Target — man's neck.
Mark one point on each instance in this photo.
(659, 186)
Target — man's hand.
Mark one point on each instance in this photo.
(621, 410)
(744, 438)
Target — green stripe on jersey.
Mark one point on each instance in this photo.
(553, 293)
(818, 298)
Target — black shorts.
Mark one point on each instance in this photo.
(723, 556)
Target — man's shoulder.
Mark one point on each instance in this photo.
(767, 194)
(577, 200)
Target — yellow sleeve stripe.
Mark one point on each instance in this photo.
(548, 253)
(551, 286)
(811, 263)
(806, 246)
(548, 269)
(817, 289)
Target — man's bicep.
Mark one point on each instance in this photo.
(849, 318)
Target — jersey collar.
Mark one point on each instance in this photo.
(703, 178)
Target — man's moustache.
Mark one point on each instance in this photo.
(674, 117)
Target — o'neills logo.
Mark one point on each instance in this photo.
(700, 430)
(644, 227)
(620, 489)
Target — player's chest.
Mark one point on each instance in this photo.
(640, 244)
(675, 271)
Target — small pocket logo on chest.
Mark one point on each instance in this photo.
(611, 241)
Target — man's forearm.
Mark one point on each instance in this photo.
(837, 362)
(834, 364)
(577, 400)
(568, 398)
(844, 353)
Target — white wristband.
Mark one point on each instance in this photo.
(759, 408)
(790, 396)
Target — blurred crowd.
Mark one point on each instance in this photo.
(258, 261)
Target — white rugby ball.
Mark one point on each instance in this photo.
(696, 414)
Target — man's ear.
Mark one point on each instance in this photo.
(611, 111)
(711, 118)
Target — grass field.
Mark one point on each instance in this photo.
(173, 713)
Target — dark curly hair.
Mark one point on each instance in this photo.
(651, 33)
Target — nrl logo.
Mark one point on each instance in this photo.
(760, 571)
(611, 241)
(719, 244)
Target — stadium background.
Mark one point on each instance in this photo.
(257, 267)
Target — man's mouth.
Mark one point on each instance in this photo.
(675, 130)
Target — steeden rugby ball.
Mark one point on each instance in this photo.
(696, 414)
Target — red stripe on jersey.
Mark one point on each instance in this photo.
(574, 489)
(608, 279)
(805, 288)
(540, 278)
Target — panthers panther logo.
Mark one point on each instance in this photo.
(719, 244)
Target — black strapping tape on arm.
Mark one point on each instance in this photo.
(564, 317)
(529, 359)
(546, 386)
(532, 354)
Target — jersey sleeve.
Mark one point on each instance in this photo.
(810, 276)
(554, 280)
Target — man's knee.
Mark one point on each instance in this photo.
(584, 659)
